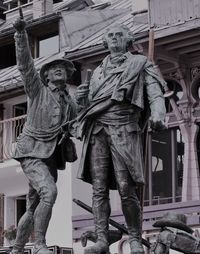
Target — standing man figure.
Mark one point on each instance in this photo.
(112, 157)
(40, 155)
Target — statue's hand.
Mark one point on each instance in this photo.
(82, 92)
(19, 25)
(157, 125)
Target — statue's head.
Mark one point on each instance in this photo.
(118, 38)
(59, 70)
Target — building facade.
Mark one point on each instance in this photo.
(168, 33)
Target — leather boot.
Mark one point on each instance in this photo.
(41, 248)
(101, 212)
(41, 221)
(133, 216)
(100, 247)
(25, 227)
(136, 247)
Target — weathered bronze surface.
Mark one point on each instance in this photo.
(176, 235)
(49, 106)
(122, 88)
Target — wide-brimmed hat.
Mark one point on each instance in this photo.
(173, 220)
(69, 66)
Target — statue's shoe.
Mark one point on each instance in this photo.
(100, 247)
(41, 249)
(136, 247)
(15, 251)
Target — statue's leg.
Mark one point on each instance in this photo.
(99, 164)
(131, 210)
(25, 225)
(41, 179)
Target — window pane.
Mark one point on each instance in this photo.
(7, 56)
(179, 166)
(167, 149)
(49, 46)
(178, 93)
(161, 166)
(21, 207)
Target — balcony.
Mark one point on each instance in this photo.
(9, 131)
(82, 223)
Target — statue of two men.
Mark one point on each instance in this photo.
(108, 122)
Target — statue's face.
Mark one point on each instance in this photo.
(117, 39)
(57, 73)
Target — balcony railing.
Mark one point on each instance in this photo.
(9, 131)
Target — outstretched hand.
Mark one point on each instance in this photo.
(19, 24)
(157, 125)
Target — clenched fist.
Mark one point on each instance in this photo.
(19, 25)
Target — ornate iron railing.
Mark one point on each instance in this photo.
(9, 131)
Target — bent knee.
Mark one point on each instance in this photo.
(124, 189)
(48, 194)
(100, 187)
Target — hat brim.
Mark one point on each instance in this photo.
(69, 66)
(174, 224)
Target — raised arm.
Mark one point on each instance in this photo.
(25, 63)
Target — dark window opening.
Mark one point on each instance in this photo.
(7, 56)
(23, 2)
(57, 1)
(76, 77)
(19, 109)
(195, 87)
(13, 5)
(164, 175)
(20, 207)
(2, 9)
(178, 93)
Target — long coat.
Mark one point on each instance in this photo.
(131, 82)
(41, 130)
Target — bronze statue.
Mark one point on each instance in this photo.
(119, 91)
(175, 234)
(40, 155)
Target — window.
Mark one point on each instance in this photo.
(76, 77)
(13, 4)
(7, 56)
(178, 93)
(48, 45)
(19, 109)
(164, 171)
(20, 207)
(57, 1)
(23, 2)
